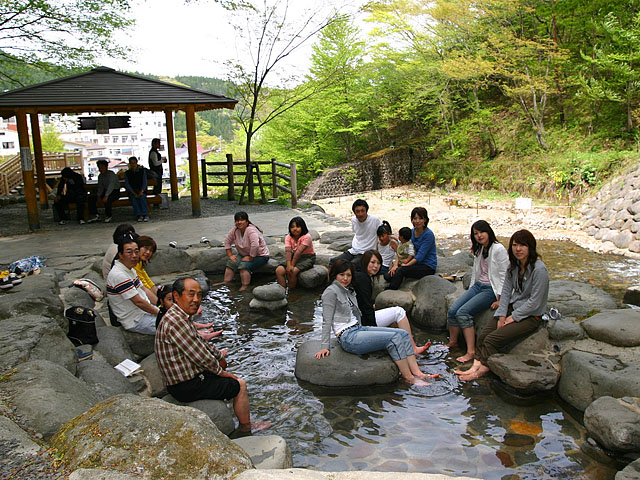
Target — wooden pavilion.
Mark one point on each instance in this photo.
(104, 90)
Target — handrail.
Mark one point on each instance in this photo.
(231, 182)
(10, 174)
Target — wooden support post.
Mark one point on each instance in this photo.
(262, 195)
(231, 194)
(27, 171)
(274, 179)
(294, 186)
(39, 159)
(203, 169)
(193, 160)
(171, 151)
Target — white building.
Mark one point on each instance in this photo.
(9, 144)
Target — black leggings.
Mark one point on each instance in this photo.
(413, 271)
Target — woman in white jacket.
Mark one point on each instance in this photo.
(489, 268)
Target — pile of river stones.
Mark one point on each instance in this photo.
(97, 419)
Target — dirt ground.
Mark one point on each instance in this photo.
(453, 213)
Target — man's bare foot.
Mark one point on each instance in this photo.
(465, 372)
(465, 358)
(209, 335)
(218, 284)
(414, 380)
(243, 288)
(419, 350)
(254, 426)
(202, 325)
(451, 344)
(481, 372)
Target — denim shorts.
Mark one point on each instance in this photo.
(251, 266)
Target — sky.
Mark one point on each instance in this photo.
(173, 37)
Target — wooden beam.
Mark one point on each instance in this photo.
(39, 159)
(193, 160)
(171, 148)
(27, 171)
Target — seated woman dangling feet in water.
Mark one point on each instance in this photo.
(522, 303)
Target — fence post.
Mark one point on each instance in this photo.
(294, 186)
(274, 179)
(231, 194)
(203, 167)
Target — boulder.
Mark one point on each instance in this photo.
(33, 303)
(614, 423)
(430, 307)
(573, 299)
(534, 343)
(209, 260)
(197, 275)
(217, 410)
(340, 245)
(528, 374)
(316, 276)
(266, 451)
(140, 344)
(132, 433)
(47, 395)
(588, 376)
(330, 237)
(15, 441)
(323, 258)
(342, 369)
(264, 305)
(105, 380)
(277, 253)
(630, 472)
(393, 298)
(77, 297)
(623, 239)
(100, 474)
(151, 372)
(615, 327)
(169, 260)
(566, 329)
(632, 295)
(270, 292)
(456, 264)
(32, 337)
(112, 345)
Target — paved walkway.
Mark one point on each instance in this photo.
(73, 239)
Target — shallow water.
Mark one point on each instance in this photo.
(447, 427)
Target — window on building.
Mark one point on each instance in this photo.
(99, 153)
(115, 139)
(116, 151)
(125, 138)
(8, 144)
(105, 139)
(134, 138)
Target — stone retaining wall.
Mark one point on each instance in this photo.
(613, 214)
(388, 168)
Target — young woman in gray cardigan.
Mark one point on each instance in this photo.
(341, 314)
(522, 303)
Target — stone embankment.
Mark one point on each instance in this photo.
(93, 416)
(612, 216)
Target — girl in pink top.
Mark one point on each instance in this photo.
(251, 247)
(299, 253)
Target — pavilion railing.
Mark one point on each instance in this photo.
(10, 174)
(55, 162)
(232, 170)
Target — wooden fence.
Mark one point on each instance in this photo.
(11, 169)
(231, 174)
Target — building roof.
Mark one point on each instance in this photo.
(104, 90)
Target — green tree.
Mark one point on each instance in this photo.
(50, 139)
(50, 34)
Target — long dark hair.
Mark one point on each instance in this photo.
(299, 221)
(244, 216)
(523, 237)
(482, 226)
(422, 213)
(366, 258)
(340, 266)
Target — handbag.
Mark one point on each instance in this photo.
(82, 326)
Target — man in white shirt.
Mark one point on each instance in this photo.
(126, 297)
(365, 229)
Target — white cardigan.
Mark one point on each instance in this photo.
(498, 260)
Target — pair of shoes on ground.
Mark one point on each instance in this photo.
(94, 219)
(143, 218)
(10, 281)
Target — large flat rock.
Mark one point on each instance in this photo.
(574, 299)
(615, 423)
(587, 376)
(342, 369)
(615, 327)
(526, 373)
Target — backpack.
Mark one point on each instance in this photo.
(82, 326)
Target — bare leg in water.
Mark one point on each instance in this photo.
(406, 326)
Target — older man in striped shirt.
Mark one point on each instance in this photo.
(192, 368)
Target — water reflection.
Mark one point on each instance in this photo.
(447, 427)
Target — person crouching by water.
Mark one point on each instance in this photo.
(191, 368)
(522, 303)
(341, 314)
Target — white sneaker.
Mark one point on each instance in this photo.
(107, 220)
(62, 222)
(82, 222)
(145, 219)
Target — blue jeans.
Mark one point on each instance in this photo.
(139, 205)
(478, 298)
(360, 340)
(251, 266)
